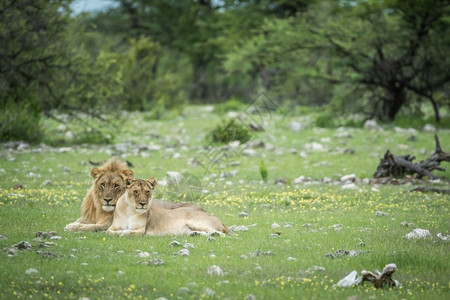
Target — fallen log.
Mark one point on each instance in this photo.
(399, 166)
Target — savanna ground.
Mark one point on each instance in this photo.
(314, 218)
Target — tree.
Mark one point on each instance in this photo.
(374, 56)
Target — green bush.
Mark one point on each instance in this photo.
(228, 131)
(20, 122)
(231, 105)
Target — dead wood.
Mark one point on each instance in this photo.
(430, 190)
(399, 166)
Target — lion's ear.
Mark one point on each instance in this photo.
(128, 173)
(153, 182)
(95, 173)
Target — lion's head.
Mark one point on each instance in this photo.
(109, 184)
(140, 193)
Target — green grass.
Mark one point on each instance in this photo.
(423, 266)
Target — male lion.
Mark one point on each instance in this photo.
(98, 206)
(136, 214)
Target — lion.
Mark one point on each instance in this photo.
(136, 214)
(97, 209)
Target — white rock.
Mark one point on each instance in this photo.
(143, 254)
(183, 252)
(69, 135)
(250, 152)
(299, 179)
(296, 126)
(443, 238)
(348, 280)
(350, 177)
(215, 271)
(291, 259)
(379, 213)
(234, 144)
(243, 214)
(275, 225)
(418, 233)
(209, 292)
(429, 128)
(314, 147)
(174, 177)
(237, 228)
(31, 271)
(349, 186)
(371, 125)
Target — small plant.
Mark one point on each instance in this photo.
(263, 170)
(229, 131)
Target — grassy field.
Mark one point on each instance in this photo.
(291, 226)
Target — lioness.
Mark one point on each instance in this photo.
(99, 203)
(136, 214)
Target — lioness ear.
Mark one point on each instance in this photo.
(129, 181)
(153, 182)
(128, 173)
(95, 172)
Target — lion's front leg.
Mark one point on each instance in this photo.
(77, 226)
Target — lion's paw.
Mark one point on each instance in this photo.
(216, 233)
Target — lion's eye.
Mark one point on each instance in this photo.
(102, 185)
(136, 193)
(148, 193)
(116, 186)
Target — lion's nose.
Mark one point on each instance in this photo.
(142, 204)
(107, 200)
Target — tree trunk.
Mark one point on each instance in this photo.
(395, 99)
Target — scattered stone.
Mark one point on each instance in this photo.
(175, 244)
(120, 272)
(337, 226)
(175, 177)
(243, 214)
(307, 225)
(296, 126)
(210, 239)
(315, 269)
(379, 213)
(143, 253)
(444, 238)
(371, 125)
(243, 256)
(215, 271)
(275, 235)
(49, 234)
(418, 234)
(429, 128)
(281, 181)
(84, 264)
(349, 178)
(152, 262)
(188, 245)
(2, 237)
(275, 225)
(237, 228)
(250, 152)
(407, 224)
(314, 147)
(184, 290)
(24, 245)
(299, 179)
(348, 280)
(31, 271)
(342, 253)
(209, 292)
(212, 255)
(349, 186)
(250, 297)
(46, 244)
(183, 252)
(56, 237)
(291, 259)
(47, 182)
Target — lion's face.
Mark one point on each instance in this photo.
(140, 193)
(109, 186)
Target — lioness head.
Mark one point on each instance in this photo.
(140, 193)
(109, 186)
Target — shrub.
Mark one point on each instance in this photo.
(228, 131)
(20, 122)
(231, 105)
(263, 170)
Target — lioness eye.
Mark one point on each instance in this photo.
(102, 185)
(136, 193)
(116, 186)
(148, 193)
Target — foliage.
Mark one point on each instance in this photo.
(229, 131)
(231, 105)
(20, 123)
(263, 170)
